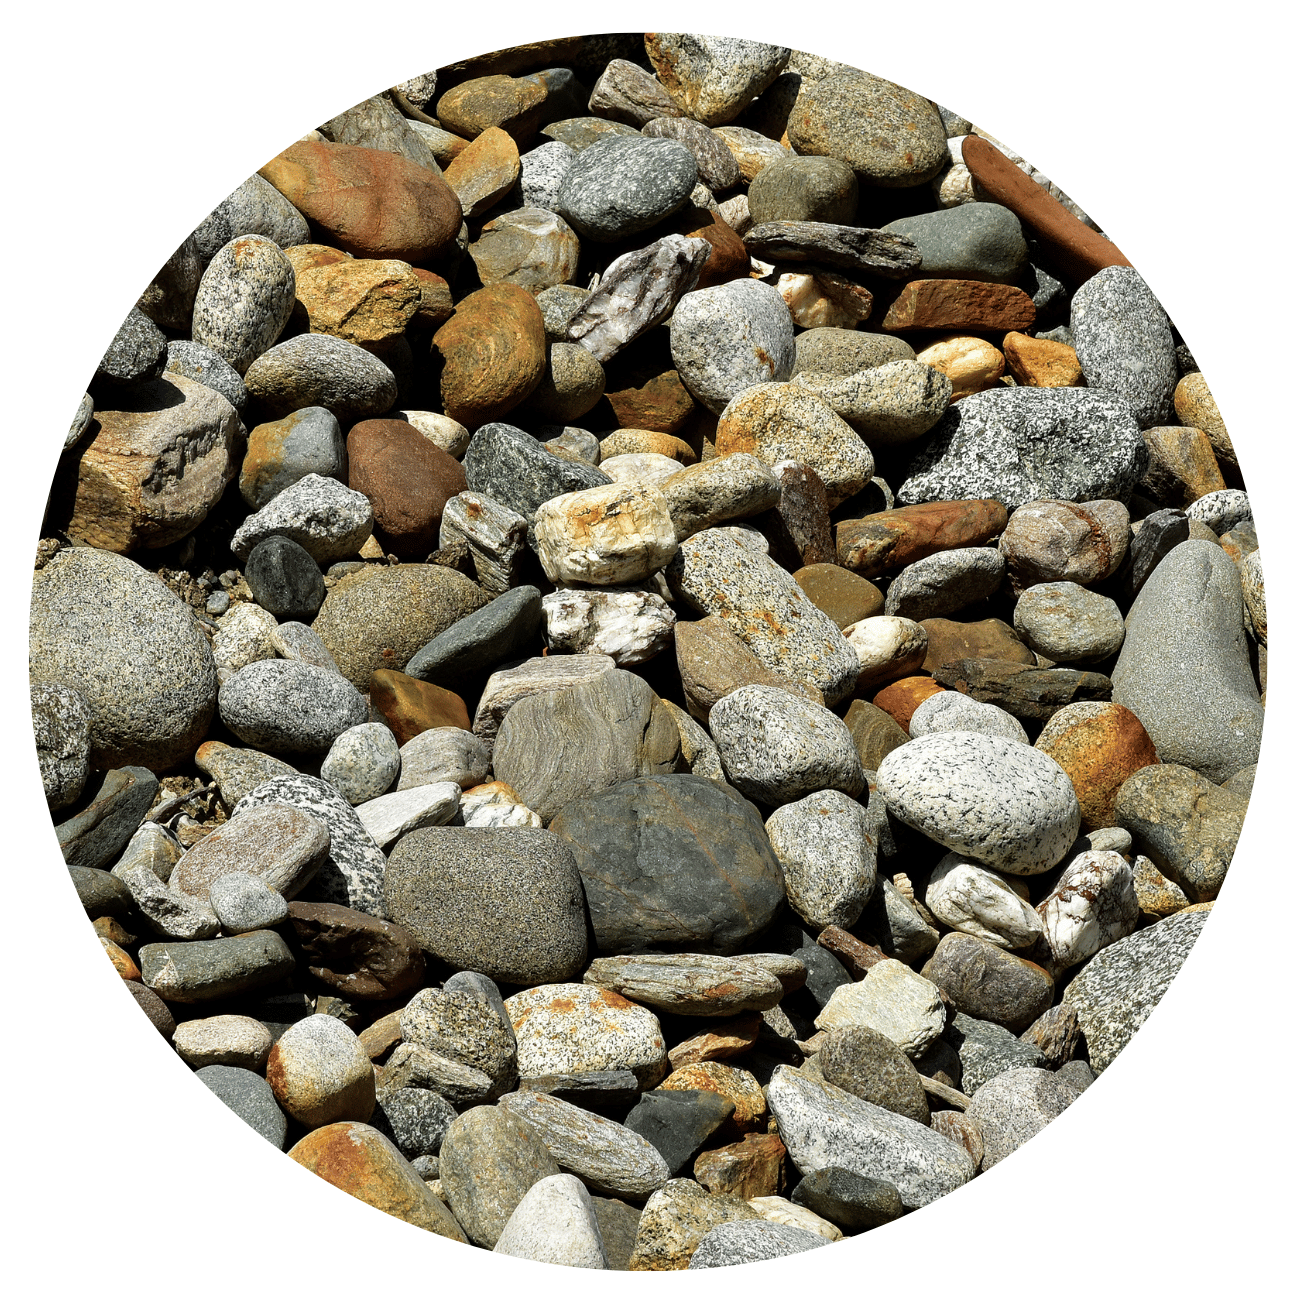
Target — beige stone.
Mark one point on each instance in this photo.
(619, 532)
(363, 300)
(483, 171)
(1194, 406)
(972, 364)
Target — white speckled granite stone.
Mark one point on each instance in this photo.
(1222, 511)
(953, 711)
(1069, 624)
(827, 849)
(1004, 803)
(942, 584)
(285, 706)
(244, 300)
(750, 1240)
(329, 521)
(1015, 1106)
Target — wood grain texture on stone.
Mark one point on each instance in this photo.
(1074, 250)
(1031, 694)
(875, 733)
(959, 305)
(894, 539)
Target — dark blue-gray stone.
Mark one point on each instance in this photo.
(502, 630)
(850, 1201)
(100, 892)
(512, 467)
(987, 1049)
(825, 971)
(284, 579)
(111, 807)
(677, 1123)
(250, 1097)
(204, 366)
(622, 185)
(415, 1120)
(137, 354)
(973, 241)
(1159, 534)
(205, 969)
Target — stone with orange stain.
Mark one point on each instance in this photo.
(858, 957)
(894, 539)
(1182, 467)
(618, 532)
(280, 452)
(121, 959)
(411, 706)
(577, 1028)
(754, 1166)
(435, 300)
(959, 305)
(364, 300)
(369, 202)
(1041, 363)
(483, 171)
(307, 257)
(972, 364)
(625, 441)
(359, 1160)
(493, 353)
(320, 1073)
(738, 1086)
(1099, 746)
(726, 1039)
(900, 698)
(648, 398)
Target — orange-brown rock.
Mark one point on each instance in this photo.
(973, 365)
(896, 538)
(121, 959)
(411, 706)
(858, 957)
(624, 441)
(754, 1166)
(901, 699)
(712, 662)
(361, 1161)
(493, 354)
(110, 928)
(990, 638)
(1069, 246)
(647, 398)
(407, 480)
(484, 171)
(875, 733)
(369, 202)
(736, 1085)
(729, 259)
(1181, 468)
(1041, 363)
(382, 1036)
(436, 305)
(725, 1039)
(155, 462)
(307, 257)
(1194, 406)
(846, 597)
(362, 299)
(514, 104)
(959, 305)
(1099, 745)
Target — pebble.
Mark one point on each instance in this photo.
(320, 370)
(945, 582)
(776, 1209)
(111, 807)
(100, 892)
(238, 1041)
(688, 984)
(831, 351)
(605, 535)
(244, 902)
(976, 241)
(237, 771)
(289, 707)
(738, 486)
(1223, 511)
(461, 1026)
(874, 252)
(1014, 1106)
(896, 402)
(804, 189)
(1092, 904)
(244, 300)
(137, 354)
(203, 970)
(280, 452)
(363, 762)
(970, 364)
(329, 521)
(853, 1202)
(892, 1000)
(752, 150)
(391, 816)
(974, 900)
(676, 1219)
(712, 78)
(620, 186)
(1068, 623)
(952, 711)
(985, 982)
(443, 754)
(285, 581)
(250, 1097)
(61, 722)
(554, 1223)
(203, 365)
(870, 1065)
(170, 914)
(415, 1120)
(629, 626)
(1042, 362)
(1195, 407)
(1059, 541)
(355, 954)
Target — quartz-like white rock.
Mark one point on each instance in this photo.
(394, 814)
(893, 1000)
(1093, 905)
(629, 626)
(977, 901)
(617, 532)
(888, 647)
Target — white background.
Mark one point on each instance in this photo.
(128, 122)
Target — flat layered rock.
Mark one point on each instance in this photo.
(959, 305)
(896, 538)
(1032, 694)
(689, 984)
(892, 1000)
(878, 251)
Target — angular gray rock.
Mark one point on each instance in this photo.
(328, 520)
(712, 78)
(204, 366)
(393, 815)
(987, 1050)
(1014, 1106)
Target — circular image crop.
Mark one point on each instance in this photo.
(648, 651)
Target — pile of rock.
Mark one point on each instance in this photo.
(655, 669)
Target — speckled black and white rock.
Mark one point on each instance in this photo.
(715, 163)
(415, 1120)
(729, 338)
(825, 1127)
(320, 370)
(749, 1240)
(243, 903)
(827, 849)
(202, 364)
(986, 1050)
(462, 1027)
(137, 354)
(250, 1097)
(100, 621)
(541, 172)
(975, 900)
(289, 708)
(1029, 444)
(1005, 804)
(362, 762)
(61, 722)
(622, 185)
(1067, 623)
(1222, 511)
(353, 873)
(329, 521)
(1120, 987)
(1185, 669)
(255, 208)
(244, 300)
(895, 402)
(953, 711)
(974, 241)
(1015, 1105)
(944, 583)
(170, 914)
(778, 748)
(1122, 338)
(712, 78)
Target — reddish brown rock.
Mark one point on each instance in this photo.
(858, 957)
(959, 305)
(407, 480)
(380, 1038)
(729, 259)
(1041, 363)
(894, 539)
(1064, 541)
(484, 171)
(307, 257)
(514, 104)
(121, 959)
(1099, 745)
(359, 1160)
(726, 1038)
(369, 202)
(754, 1166)
(846, 597)
(990, 638)
(355, 954)
(493, 354)
(798, 527)
(435, 300)
(411, 706)
(874, 732)
(648, 398)
(364, 300)
(900, 699)
(1072, 248)
(282, 844)
(1182, 466)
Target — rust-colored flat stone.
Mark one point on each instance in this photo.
(858, 957)
(411, 706)
(902, 698)
(1073, 248)
(1041, 363)
(990, 638)
(725, 1039)
(959, 305)
(846, 597)
(751, 1167)
(893, 539)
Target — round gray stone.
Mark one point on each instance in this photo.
(204, 366)
(244, 300)
(953, 711)
(1068, 623)
(285, 706)
(304, 442)
(329, 521)
(826, 350)
(748, 1240)
(137, 354)
(255, 208)
(973, 241)
(320, 370)
(362, 762)
(621, 185)
(243, 903)
(942, 584)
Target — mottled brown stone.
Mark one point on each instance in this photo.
(959, 305)
(357, 955)
(983, 981)
(435, 300)
(483, 171)
(626, 441)
(515, 104)
(364, 300)
(725, 1038)
(1041, 363)
(411, 706)
(846, 597)
(737, 1086)
(990, 638)
(875, 733)
(894, 539)
(1182, 466)
(648, 397)
(754, 1166)
(798, 527)
(1030, 694)
(1194, 406)
(901, 699)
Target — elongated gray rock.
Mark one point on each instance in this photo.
(1185, 668)
(609, 1158)
(116, 803)
(942, 584)
(320, 370)
(824, 1127)
(973, 241)
(637, 292)
(689, 984)
(714, 162)
(509, 686)
(881, 252)
(244, 300)
(205, 969)
(622, 185)
(393, 815)
(891, 403)
(751, 1240)
(444, 754)
(171, 914)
